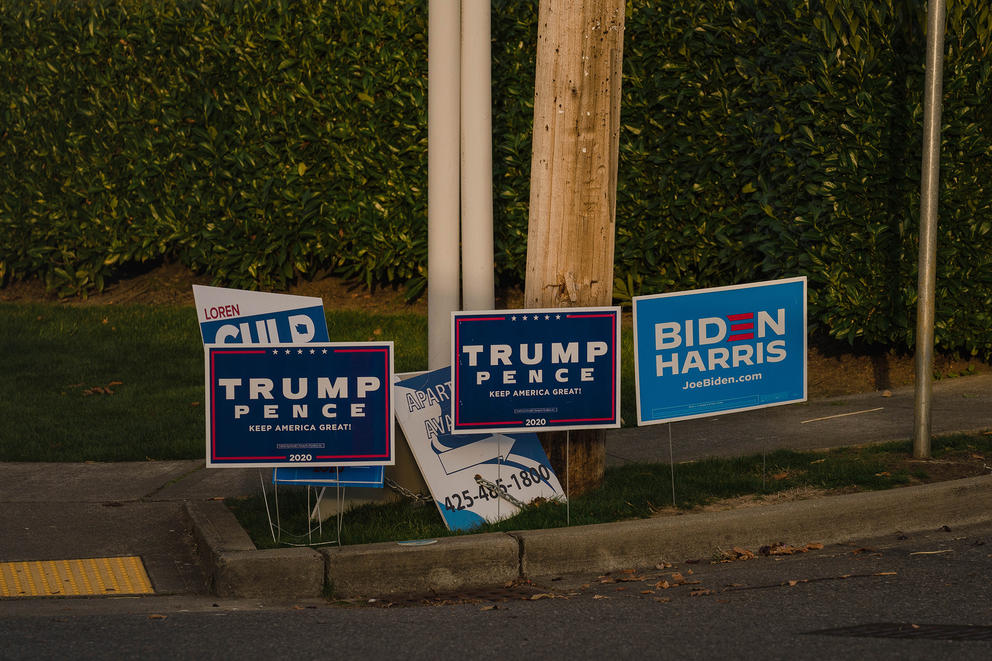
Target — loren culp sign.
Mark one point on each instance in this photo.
(711, 351)
(315, 404)
(526, 370)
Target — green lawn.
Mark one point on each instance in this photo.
(125, 383)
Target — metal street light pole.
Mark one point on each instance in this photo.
(929, 198)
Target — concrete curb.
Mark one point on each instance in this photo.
(235, 568)
(452, 563)
(455, 563)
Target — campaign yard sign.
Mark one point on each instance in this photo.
(473, 478)
(315, 404)
(236, 316)
(711, 351)
(527, 370)
(330, 476)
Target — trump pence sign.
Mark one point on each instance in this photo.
(314, 404)
(527, 370)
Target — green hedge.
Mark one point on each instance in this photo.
(261, 141)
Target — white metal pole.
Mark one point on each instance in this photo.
(929, 198)
(477, 157)
(443, 46)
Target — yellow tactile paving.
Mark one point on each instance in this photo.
(88, 576)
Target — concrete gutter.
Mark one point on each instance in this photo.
(236, 569)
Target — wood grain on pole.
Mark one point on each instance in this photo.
(572, 217)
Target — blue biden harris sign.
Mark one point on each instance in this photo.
(712, 351)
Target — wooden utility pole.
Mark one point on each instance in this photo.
(573, 183)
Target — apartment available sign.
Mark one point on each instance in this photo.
(712, 351)
(474, 478)
(526, 370)
(315, 404)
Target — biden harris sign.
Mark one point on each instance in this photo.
(713, 351)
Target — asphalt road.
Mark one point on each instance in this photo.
(934, 586)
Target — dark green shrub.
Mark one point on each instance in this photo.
(262, 141)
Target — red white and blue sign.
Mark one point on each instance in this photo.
(711, 351)
(528, 370)
(315, 404)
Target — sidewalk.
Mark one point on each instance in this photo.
(171, 514)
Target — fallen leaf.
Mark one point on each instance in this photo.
(677, 577)
(700, 593)
(600, 596)
(780, 476)
(647, 591)
(542, 595)
(886, 573)
(663, 565)
(116, 383)
(663, 600)
(489, 608)
(818, 461)
(664, 585)
(883, 474)
(157, 616)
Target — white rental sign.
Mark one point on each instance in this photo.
(473, 478)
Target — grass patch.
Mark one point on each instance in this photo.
(125, 383)
(644, 490)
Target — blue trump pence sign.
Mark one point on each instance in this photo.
(525, 370)
(711, 351)
(315, 404)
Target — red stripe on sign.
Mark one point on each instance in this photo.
(740, 317)
(741, 327)
(493, 422)
(743, 336)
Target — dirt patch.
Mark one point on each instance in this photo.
(831, 370)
